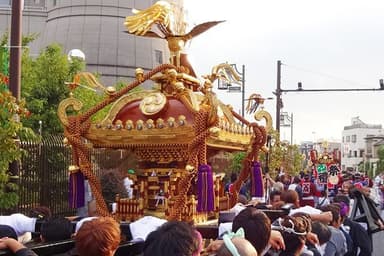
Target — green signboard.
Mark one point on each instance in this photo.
(321, 168)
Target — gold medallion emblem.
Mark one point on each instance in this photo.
(153, 103)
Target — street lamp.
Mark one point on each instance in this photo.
(233, 88)
(76, 53)
(287, 121)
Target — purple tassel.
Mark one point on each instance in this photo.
(205, 193)
(76, 190)
(257, 180)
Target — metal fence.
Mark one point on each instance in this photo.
(43, 173)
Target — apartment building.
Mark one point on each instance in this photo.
(354, 143)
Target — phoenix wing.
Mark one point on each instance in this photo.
(142, 21)
(201, 28)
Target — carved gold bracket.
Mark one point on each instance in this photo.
(64, 105)
(259, 115)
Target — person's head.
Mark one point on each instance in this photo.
(275, 196)
(56, 229)
(285, 179)
(294, 232)
(296, 180)
(40, 212)
(322, 231)
(346, 187)
(237, 244)
(357, 177)
(278, 186)
(257, 227)
(173, 238)
(291, 197)
(98, 237)
(277, 205)
(7, 231)
(344, 203)
(305, 217)
(335, 210)
(242, 199)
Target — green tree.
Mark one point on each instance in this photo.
(43, 86)
(10, 129)
(237, 161)
(283, 155)
(380, 162)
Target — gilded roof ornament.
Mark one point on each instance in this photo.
(170, 25)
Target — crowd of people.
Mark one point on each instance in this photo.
(316, 224)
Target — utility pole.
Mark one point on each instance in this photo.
(242, 89)
(15, 65)
(291, 128)
(278, 96)
(15, 51)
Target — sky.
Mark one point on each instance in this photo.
(322, 44)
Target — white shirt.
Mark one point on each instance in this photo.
(128, 186)
(305, 209)
(19, 222)
(81, 222)
(141, 228)
(292, 186)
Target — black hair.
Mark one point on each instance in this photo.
(341, 198)
(334, 209)
(293, 241)
(296, 179)
(322, 231)
(7, 231)
(256, 225)
(173, 238)
(40, 212)
(274, 193)
(56, 229)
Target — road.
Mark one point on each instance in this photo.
(378, 240)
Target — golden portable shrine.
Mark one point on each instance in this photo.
(171, 130)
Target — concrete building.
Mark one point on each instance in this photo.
(96, 27)
(371, 157)
(354, 146)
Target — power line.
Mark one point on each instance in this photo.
(326, 75)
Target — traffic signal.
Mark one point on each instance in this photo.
(299, 86)
(381, 81)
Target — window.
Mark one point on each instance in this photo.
(158, 57)
(361, 153)
(353, 138)
(355, 153)
(348, 138)
(5, 3)
(342, 140)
